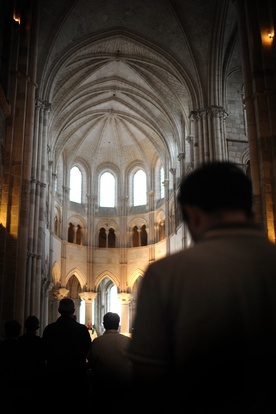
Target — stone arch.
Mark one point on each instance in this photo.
(78, 274)
(103, 275)
(135, 226)
(103, 230)
(134, 276)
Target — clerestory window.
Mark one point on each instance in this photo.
(107, 190)
(162, 188)
(140, 188)
(75, 185)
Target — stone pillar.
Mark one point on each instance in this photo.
(173, 172)
(255, 22)
(65, 197)
(210, 131)
(17, 163)
(181, 159)
(194, 117)
(217, 116)
(124, 299)
(190, 140)
(88, 297)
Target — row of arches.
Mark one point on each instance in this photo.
(108, 186)
(107, 235)
(106, 296)
(107, 238)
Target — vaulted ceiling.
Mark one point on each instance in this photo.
(122, 77)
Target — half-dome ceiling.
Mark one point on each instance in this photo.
(116, 108)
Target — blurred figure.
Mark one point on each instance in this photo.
(66, 345)
(205, 326)
(108, 361)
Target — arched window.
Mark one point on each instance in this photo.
(79, 235)
(102, 237)
(71, 233)
(111, 240)
(144, 236)
(162, 188)
(135, 237)
(139, 188)
(75, 185)
(107, 190)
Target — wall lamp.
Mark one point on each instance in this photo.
(16, 23)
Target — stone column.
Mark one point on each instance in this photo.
(190, 140)
(173, 172)
(255, 22)
(194, 117)
(181, 159)
(88, 297)
(124, 299)
(65, 197)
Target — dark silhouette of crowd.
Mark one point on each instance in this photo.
(40, 371)
(204, 336)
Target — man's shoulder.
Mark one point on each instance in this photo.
(124, 337)
(82, 327)
(170, 259)
(98, 341)
(51, 327)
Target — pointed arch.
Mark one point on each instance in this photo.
(79, 275)
(104, 274)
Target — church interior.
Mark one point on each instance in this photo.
(104, 106)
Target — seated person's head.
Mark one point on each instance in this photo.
(31, 323)
(66, 307)
(111, 320)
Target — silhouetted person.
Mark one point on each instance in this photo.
(108, 361)
(8, 366)
(205, 327)
(31, 362)
(66, 345)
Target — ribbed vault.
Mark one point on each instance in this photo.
(117, 101)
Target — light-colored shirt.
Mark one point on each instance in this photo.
(108, 360)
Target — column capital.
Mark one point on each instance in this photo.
(88, 296)
(60, 293)
(181, 156)
(124, 298)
